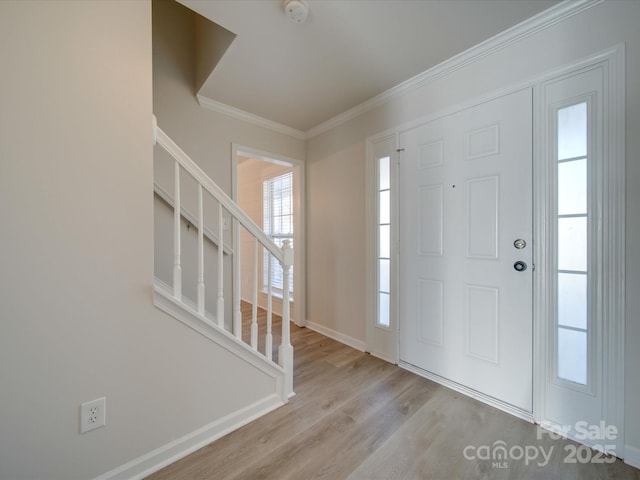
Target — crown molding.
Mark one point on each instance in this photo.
(531, 26)
(225, 109)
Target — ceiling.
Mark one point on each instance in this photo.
(347, 52)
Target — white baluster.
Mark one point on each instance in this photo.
(285, 352)
(269, 337)
(237, 286)
(177, 264)
(254, 307)
(200, 251)
(220, 311)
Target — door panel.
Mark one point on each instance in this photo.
(465, 195)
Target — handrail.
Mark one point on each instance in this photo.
(283, 255)
(201, 177)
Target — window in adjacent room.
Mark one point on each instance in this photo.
(278, 225)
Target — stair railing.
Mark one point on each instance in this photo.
(284, 256)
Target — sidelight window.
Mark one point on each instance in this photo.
(572, 243)
(384, 240)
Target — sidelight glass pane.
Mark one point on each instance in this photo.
(572, 131)
(572, 300)
(384, 173)
(385, 207)
(384, 275)
(572, 355)
(572, 187)
(572, 243)
(383, 309)
(572, 248)
(384, 241)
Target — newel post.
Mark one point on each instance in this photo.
(285, 352)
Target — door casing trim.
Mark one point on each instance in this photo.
(613, 213)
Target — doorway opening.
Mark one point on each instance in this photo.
(270, 189)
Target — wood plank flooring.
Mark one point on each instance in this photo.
(359, 418)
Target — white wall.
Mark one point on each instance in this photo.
(335, 232)
(336, 169)
(76, 209)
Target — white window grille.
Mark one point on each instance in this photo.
(278, 224)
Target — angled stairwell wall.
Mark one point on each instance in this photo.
(76, 209)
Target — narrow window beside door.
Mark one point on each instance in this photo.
(572, 243)
(384, 240)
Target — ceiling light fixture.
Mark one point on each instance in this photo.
(296, 10)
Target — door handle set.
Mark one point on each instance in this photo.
(519, 266)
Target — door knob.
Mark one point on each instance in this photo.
(520, 266)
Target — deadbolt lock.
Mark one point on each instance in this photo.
(520, 266)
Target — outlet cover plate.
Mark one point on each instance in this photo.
(93, 414)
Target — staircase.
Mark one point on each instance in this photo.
(221, 232)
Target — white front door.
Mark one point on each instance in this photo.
(465, 213)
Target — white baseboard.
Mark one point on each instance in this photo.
(159, 458)
(632, 456)
(493, 402)
(337, 336)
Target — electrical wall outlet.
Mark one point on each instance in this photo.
(93, 414)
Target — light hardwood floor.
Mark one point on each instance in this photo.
(357, 417)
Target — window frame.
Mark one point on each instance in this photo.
(590, 156)
(268, 207)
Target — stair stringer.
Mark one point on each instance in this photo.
(182, 312)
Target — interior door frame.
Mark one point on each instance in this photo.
(299, 220)
(613, 59)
